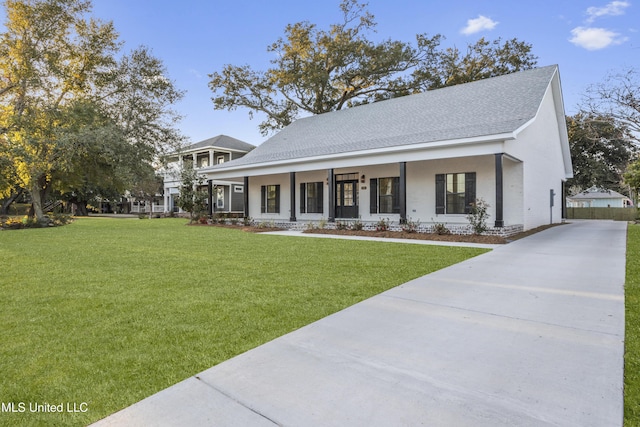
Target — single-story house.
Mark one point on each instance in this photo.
(228, 194)
(596, 197)
(425, 157)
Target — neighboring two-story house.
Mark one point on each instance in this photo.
(227, 193)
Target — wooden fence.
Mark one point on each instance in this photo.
(617, 214)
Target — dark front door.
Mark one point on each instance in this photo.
(347, 199)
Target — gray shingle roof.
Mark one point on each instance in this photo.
(222, 141)
(598, 193)
(481, 108)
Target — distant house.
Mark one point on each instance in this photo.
(228, 193)
(424, 157)
(596, 197)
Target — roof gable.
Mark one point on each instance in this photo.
(221, 141)
(495, 106)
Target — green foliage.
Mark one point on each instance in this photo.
(317, 71)
(601, 149)
(382, 224)
(410, 226)
(193, 197)
(478, 216)
(357, 225)
(74, 118)
(632, 329)
(114, 322)
(440, 228)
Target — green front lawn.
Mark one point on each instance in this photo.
(106, 312)
(632, 330)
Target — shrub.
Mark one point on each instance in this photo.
(410, 226)
(322, 223)
(246, 221)
(382, 225)
(234, 221)
(478, 216)
(341, 225)
(13, 223)
(357, 225)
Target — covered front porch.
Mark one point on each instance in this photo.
(422, 192)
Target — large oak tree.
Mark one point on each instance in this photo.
(316, 71)
(67, 103)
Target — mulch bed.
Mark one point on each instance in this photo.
(395, 234)
(413, 236)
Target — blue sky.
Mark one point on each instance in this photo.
(586, 38)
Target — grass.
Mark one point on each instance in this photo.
(632, 330)
(106, 312)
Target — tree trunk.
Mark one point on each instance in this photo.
(38, 190)
(4, 210)
(80, 206)
(36, 203)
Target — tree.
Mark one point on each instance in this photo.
(145, 187)
(192, 198)
(317, 71)
(618, 97)
(65, 100)
(48, 56)
(601, 149)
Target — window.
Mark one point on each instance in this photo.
(455, 192)
(311, 197)
(270, 202)
(220, 159)
(385, 195)
(220, 198)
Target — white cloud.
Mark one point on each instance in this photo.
(614, 8)
(478, 24)
(195, 73)
(595, 38)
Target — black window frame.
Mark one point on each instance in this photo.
(442, 202)
(312, 201)
(270, 193)
(375, 196)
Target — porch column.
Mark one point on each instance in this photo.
(403, 192)
(210, 193)
(167, 198)
(563, 199)
(331, 180)
(210, 158)
(194, 156)
(246, 197)
(292, 192)
(499, 192)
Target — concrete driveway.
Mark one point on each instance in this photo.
(530, 334)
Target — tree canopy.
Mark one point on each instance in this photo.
(67, 101)
(601, 149)
(317, 71)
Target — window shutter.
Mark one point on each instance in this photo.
(263, 199)
(440, 190)
(277, 199)
(469, 190)
(396, 195)
(373, 196)
(303, 198)
(320, 196)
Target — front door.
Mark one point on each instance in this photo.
(347, 199)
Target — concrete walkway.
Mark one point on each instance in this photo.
(529, 334)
